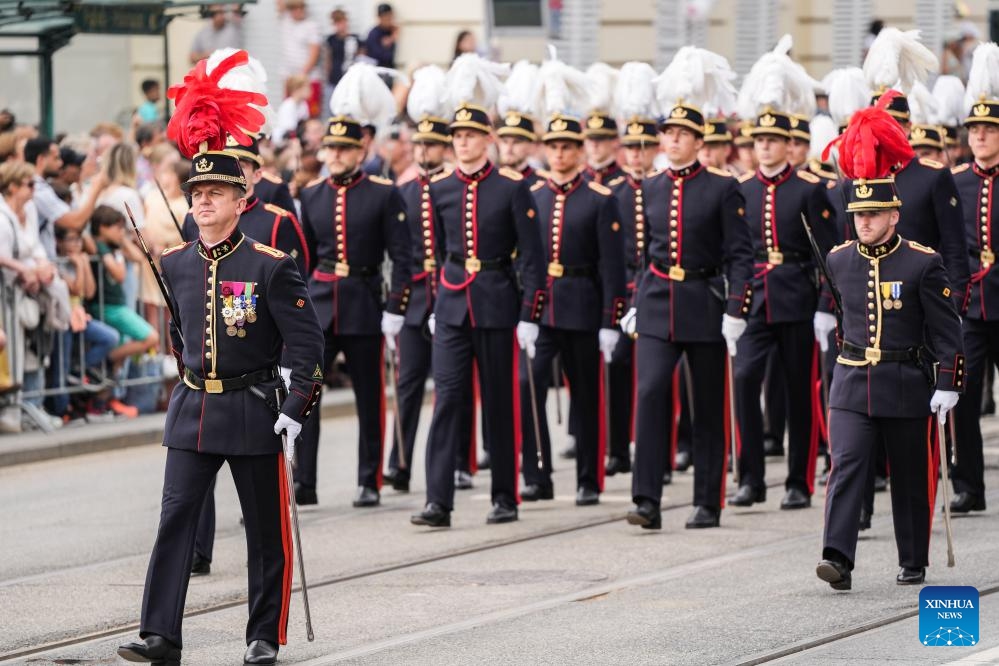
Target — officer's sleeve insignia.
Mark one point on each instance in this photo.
(171, 250)
(946, 292)
(512, 174)
(719, 172)
(317, 374)
(537, 186)
(933, 164)
(268, 250)
(315, 181)
(921, 248)
(746, 176)
(615, 182)
(598, 188)
(380, 180)
(808, 177)
(277, 210)
(960, 168)
(300, 303)
(615, 226)
(441, 176)
(841, 246)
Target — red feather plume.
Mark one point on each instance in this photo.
(206, 113)
(873, 142)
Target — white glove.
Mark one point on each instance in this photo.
(629, 322)
(432, 323)
(391, 326)
(608, 338)
(824, 324)
(293, 428)
(942, 402)
(527, 335)
(732, 330)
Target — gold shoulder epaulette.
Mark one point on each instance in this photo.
(746, 176)
(960, 168)
(380, 180)
(440, 176)
(542, 173)
(537, 186)
(598, 188)
(277, 210)
(271, 177)
(828, 175)
(616, 181)
(268, 250)
(933, 164)
(315, 181)
(171, 250)
(719, 172)
(512, 174)
(808, 177)
(841, 246)
(921, 248)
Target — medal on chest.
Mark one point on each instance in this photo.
(239, 306)
(892, 294)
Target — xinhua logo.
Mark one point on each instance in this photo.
(948, 616)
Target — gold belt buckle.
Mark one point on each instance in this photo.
(429, 265)
(341, 269)
(774, 257)
(677, 274)
(873, 355)
(473, 265)
(213, 386)
(988, 256)
(556, 269)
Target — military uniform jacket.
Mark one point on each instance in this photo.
(238, 303)
(423, 234)
(275, 227)
(581, 234)
(896, 298)
(697, 233)
(631, 207)
(605, 174)
(533, 176)
(482, 219)
(350, 224)
(785, 283)
(271, 189)
(976, 187)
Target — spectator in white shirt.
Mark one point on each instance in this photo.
(293, 110)
(301, 40)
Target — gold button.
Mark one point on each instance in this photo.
(770, 188)
(674, 213)
(673, 234)
(870, 273)
(208, 342)
(870, 306)
(871, 317)
(426, 224)
(208, 318)
(639, 217)
(872, 339)
(872, 328)
(426, 233)
(870, 294)
(672, 244)
(672, 255)
(338, 218)
(208, 293)
(208, 354)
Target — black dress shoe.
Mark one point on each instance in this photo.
(501, 514)
(748, 496)
(795, 498)
(260, 652)
(485, 461)
(152, 648)
(965, 502)
(200, 566)
(399, 479)
(682, 461)
(703, 516)
(771, 447)
(911, 576)
(433, 515)
(617, 465)
(667, 477)
(646, 515)
(366, 497)
(865, 519)
(533, 492)
(880, 484)
(305, 495)
(835, 573)
(462, 480)
(569, 452)
(587, 497)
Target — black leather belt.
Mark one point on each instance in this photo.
(782, 257)
(231, 384)
(342, 269)
(689, 273)
(480, 264)
(558, 270)
(852, 352)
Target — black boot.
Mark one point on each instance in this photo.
(911, 576)
(152, 648)
(836, 573)
(748, 496)
(433, 515)
(702, 517)
(646, 515)
(260, 652)
(200, 566)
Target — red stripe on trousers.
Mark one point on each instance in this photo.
(473, 456)
(286, 547)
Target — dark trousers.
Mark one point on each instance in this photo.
(981, 345)
(912, 461)
(263, 497)
(204, 540)
(656, 359)
(496, 356)
(774, 398)
(580, 353)
(795, 343)
(414, 368)
(682, 417)
(365, 365)
(622, 398)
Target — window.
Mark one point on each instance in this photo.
(520, 14)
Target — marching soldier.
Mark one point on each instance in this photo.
(228, 344)
(351, 221)
(585, 301)
(697, 233)
(601, 148)
(484, 214)
(895, 299)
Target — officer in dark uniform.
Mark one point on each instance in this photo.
(602, 142)
(483, 214)
(585, 301)
(351, 220)
(257, 312)
(976, 183)
(517, 143)
(697, 233)
(786, 289)
(896, 298)
(641, 145)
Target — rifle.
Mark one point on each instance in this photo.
(156, 274)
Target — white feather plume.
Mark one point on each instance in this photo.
(823, 130)
(426, 96)
(474, 80)
(848, 93)
(922, 107)
(519, 93)
(898, 58)
(777, 82)
(252, 77)
(562, 88)
(603, 80)
(362, 95)
(634, 94)
(695, 76)
(983, 77)
(948, 91)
